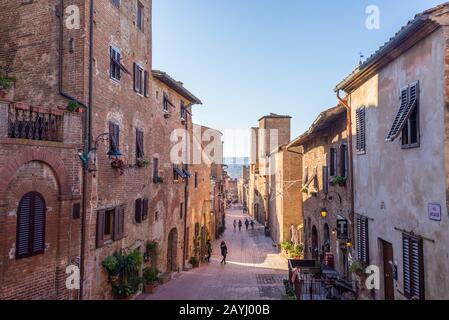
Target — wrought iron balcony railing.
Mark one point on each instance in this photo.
(35, 123)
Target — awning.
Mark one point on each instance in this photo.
(180, 173)
(186, 173)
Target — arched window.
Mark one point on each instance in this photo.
(30, 225)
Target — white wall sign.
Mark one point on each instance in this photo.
(434, 212)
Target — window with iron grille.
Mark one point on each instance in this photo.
(413, 266)
(333, 162)
(140, 16)
(139, 144)
(30, 225)
(360, 130)
(362, 239)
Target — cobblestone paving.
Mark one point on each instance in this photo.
(254, 270)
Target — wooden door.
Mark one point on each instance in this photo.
(387, 254)
(172, 250)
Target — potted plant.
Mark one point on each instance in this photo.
(357, 267)
(150, 279)
(118, 164)
(141, 162)
(296, 252)
(194, 262)
(152, 252)
(72, 106)
(314, 194)
(123, 272)
(305, 190)
(338, 181)
(286, 247)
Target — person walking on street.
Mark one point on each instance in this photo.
(240, 225)
(252, 224)
(224, 252)
(235, 224)
(209, 250)
(246, 224)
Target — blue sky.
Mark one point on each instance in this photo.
(247, 58)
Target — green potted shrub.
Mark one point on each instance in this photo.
(194, 262)
(151, 252)
(141, 162)
(72, 106)
(150, 279)
(286, 247)
(111, 264)
(296, 252)
(357, 267)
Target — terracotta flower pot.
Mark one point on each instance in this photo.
(148, 288)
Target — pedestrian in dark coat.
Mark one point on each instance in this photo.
(246, 224)
(224, 252)
(209, 251)
(240, 225)
(252, 224)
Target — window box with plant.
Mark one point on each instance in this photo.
(150, 279)
(141, 162)
(73, 106)
(123, 273)
(338, 181)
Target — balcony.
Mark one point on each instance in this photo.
(35, 123)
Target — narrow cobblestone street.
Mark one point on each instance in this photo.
(254, 269)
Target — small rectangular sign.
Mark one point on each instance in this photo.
(434, 211)
(342, 229)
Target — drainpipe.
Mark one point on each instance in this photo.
(344, 102)
(87, 121)
(186, 190)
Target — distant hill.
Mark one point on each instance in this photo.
(235, 165)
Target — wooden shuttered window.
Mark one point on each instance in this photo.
(408, 103)
(114, 137)
(362, 239)
(30, 238)
(139, 144)
(119, 223)
(333, 162)
(344, 161)
(110, 225)
(138, 210)
(325, 179)
(145, 208)
(100, 228)
(140, 80)
(145, 83)
(360, 122)
(413, 266)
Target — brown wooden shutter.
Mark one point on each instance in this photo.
(144, 209)
(325, 180)
(76, 211)
(343, 161)
(119, 223)
(119, 69)
(138, 210)
(145, 84)
(135, 75)
(362, 239)
(100, 228)
(333, 162)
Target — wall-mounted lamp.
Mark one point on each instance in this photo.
(349, 243)
(87, 156)
(324, 213)
(334, 231)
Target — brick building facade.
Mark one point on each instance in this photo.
(326, 195)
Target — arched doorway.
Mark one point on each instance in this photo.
(314, 243)
(327, 239)
(172, 249)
